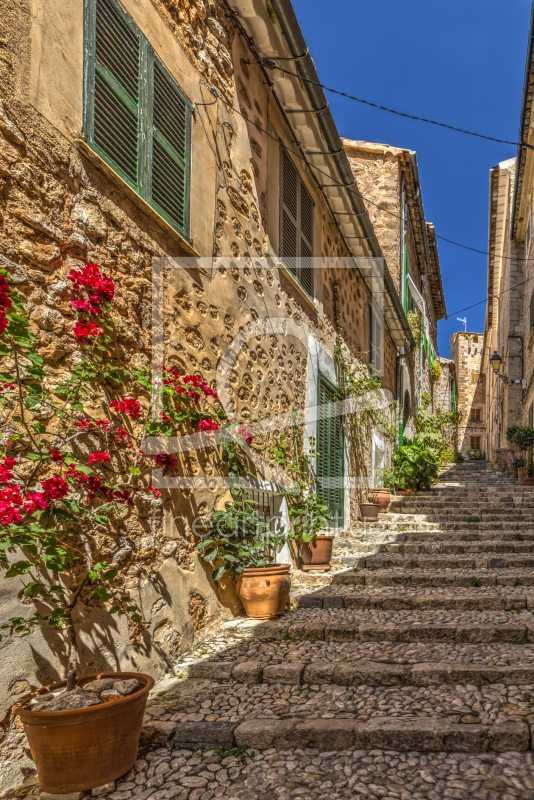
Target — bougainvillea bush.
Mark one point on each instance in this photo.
(66, 483)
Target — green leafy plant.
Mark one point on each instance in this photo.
(415, 467)
(415, 321)
(435, 432)
(238, 538)
(386, 477)
(435, 371)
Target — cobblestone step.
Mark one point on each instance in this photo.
(434, 578)
(503, 561)
(396, 602)
(361, 672)
(455, 547)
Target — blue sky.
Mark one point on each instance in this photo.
(461, 62)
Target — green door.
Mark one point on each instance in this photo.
(330, 450)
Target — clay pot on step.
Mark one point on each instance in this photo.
(318, 551)
(369, 510)
(528, 481)
(264, 591)
(83, 748)
(381, 497)
(521, 472)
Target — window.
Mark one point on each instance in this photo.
(474, 377)
(476, 414)
(330, 450)
(475, 442)
(136, 117)
(296, 225)
(375, 338)
(532, 310)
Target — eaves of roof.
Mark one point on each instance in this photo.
(525, 156)
(436, 284)
(273, 32)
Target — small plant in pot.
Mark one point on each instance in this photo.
(310, 517)
(523, 437)
(240, 543)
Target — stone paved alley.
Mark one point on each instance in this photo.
(409, 675)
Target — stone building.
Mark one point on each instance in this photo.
(388, 179)
(215, 212)
(467, 353)
(510, 304)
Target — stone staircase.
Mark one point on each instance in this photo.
(423, 644)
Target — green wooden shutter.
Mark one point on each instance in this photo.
(306, 239)
(113, 121)
(171, 121)
(329, 467)
(296, 224)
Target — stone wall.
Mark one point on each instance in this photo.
(466, 352)
(60, 206)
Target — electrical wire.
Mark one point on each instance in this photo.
(271, 65)
(342, 185)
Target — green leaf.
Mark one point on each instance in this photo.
(37, 456)
(36, 358)
(85, 470)
(73, 506)
(219, 572)
(135, 470)
(7, 378)
(101, 519)
(62, 514)
(33, 589)
(19, 568)
(110, 574)
(39, 427)
(211, 555)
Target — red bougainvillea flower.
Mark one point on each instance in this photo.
(35, 501)
(5, 303)
(55, 488)
(83, 330)
(6, 466)
(83, 423)
(57, 456)
(100, 286)
(207, 426)
(121, 435)
(7, 386)
(245, 432)
(98, 458)
(128, 406)
(164, 417)
(154, 491)
(10, 503)
(166, 460)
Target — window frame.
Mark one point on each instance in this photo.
(146, 133)
(295, 273)
(473, 417)
(476, 438)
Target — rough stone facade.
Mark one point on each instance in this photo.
(61, 205)
(467, 354)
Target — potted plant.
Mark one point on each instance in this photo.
(523, 437)
(310, 518)
(369, 510)
(69, 482)
(240, 542)
(518, 465)
(382, 496)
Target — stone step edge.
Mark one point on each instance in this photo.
(364, 672)
(392, 602)
(414, 733)
(428, 577)
(474, 633)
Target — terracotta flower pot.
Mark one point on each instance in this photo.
(318, 551)
(82, 748)
(369, 510)
(521, 472)
(528, 481)
(380, 497)
(264, 591)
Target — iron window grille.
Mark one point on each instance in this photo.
(136, 117)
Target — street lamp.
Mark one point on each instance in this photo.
(496, 362)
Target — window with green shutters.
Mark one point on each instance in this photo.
(329, 465)
(136, 117)
(296, 224)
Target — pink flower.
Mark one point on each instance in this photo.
(35, 501)
(121, 435)
(245, 432)
(128, 406)
(57, 456)
(166, 460)
(83, 330)
(10, 502)
(98, 458)
(207, 425)
(83, 423)
(154, 491)
(55, 488)
(6, 465)
(164, 417)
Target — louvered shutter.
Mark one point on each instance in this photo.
(171, 147)
(532, 310)
(289, 228)
(115, 114)
(330, 454)
(296, 225)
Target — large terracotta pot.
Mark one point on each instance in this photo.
(521, 472)
(528, 481)
(369, 510)
(264, 591)
(318, 551)
(82, 748)
(381, 497)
